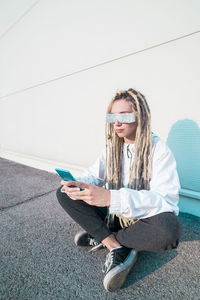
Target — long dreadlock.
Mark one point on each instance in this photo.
(140, 170)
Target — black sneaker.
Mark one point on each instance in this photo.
(84, 239)
(118, 264)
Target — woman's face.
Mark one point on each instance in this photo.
(124, 130)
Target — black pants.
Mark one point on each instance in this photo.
(158, 233)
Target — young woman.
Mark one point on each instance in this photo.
(130, 196)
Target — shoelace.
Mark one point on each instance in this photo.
(93, 242)
(108, 262)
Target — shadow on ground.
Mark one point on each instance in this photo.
(147, 263)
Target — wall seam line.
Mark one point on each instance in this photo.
(96, 66)
(18, 20)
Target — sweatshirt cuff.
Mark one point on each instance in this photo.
(115, 203)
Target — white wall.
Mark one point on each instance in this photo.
(57, 74)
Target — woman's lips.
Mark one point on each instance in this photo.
(119, 130)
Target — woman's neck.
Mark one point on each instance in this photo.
(129, 141)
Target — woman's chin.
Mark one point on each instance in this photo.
(120, 134)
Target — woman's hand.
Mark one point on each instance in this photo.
(93, 195)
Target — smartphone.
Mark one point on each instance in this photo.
(67, 176)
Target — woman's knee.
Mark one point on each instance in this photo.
(58, 192)
(61, 196)
(171, 232)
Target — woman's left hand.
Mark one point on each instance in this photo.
(93, 195)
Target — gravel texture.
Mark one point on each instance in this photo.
(38, 259)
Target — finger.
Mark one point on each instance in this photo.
(86, 199)
(66, 183)
(62, 190)
(81, 184)
(73, 189)
(78, 193)
(65, 189)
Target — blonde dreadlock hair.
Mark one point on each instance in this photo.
(140, 170)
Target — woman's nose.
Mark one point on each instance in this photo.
(117, 123)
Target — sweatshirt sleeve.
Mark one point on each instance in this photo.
(95, 173)
(163, 195)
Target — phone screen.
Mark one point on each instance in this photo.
(67, 176)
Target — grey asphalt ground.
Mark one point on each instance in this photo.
(38, 259)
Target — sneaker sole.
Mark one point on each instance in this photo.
(117, 276)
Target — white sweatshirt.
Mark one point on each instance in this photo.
(163, 195)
